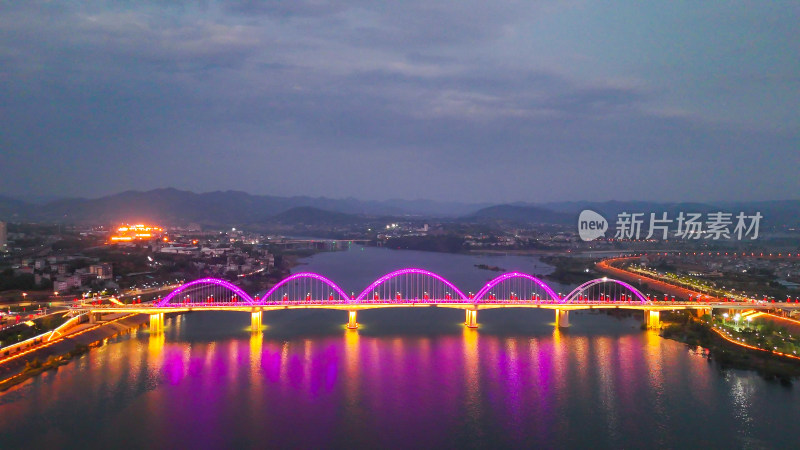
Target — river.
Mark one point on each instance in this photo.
(407, 378)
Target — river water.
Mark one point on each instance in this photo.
(413, 378)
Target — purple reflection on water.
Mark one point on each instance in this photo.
(174, 369)
(271, 364)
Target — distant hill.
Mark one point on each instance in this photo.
(613, 208)
(308, 215)
(167, 206)
(775, 212)
(11, 209)
(174, 207)
(523, 214)
(234, 208)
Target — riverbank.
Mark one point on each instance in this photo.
(18, 368)
(569, 269)
(728, 354)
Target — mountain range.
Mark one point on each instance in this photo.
(174, 207)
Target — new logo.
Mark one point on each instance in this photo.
(591, 225)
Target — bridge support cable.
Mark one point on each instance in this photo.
(411, 286)
(305, 287)
(206, 292)
(562, 318)
(605, 290)
(516, 287)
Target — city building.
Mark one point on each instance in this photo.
(103, 271)
(3, 237)
(139, 232)
(60, 286)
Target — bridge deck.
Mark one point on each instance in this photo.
(650, 306)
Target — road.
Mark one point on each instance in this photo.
(643, 281)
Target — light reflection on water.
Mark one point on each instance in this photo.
(407, 378)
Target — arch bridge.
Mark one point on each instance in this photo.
(411, 287)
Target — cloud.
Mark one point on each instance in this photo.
(293, 98)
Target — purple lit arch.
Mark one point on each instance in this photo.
(314, 276)
(215, 281)
(571, 296)
(507, 276)
(408, 271)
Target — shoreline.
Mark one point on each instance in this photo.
(19, 368)
(728, 354)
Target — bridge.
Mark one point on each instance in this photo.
(411, 288)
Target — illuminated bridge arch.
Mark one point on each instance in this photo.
(411, 286)
(206, 291)
(516, 286)
(605, 289)
(305, 287)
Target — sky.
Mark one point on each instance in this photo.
(455, 100)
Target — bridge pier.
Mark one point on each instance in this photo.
(472, 318)
(352, 324)
(157, 323)
(562, 318)
(702, 312)
(652, 319)
(255, 320)
(92, 317)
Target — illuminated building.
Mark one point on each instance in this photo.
(139, 232)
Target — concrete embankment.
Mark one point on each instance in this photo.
(84, 334)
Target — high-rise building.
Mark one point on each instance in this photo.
(3, 237)
(102, 270)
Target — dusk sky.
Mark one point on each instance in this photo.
(461, 100)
